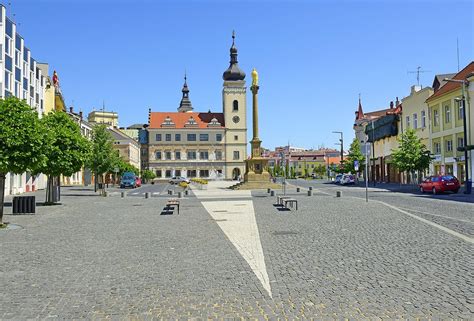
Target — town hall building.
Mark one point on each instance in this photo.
(202, 144)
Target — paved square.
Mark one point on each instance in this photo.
(100, 258)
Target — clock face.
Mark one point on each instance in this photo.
(235, 119)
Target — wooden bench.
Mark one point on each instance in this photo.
(290, 201)
(172, 202)
(281, 198)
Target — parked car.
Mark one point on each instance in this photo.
(347, 179)
(128, 180)
(178, 179)
(440, 184)
(138, 181)
(338, 179)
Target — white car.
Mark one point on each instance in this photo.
(338, 178)
(347, 179)
(178, 179)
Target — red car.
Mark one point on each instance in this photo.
(138, 181)
(440, 184)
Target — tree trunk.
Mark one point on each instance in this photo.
(50, 190)
(58, 196)
(2, 195)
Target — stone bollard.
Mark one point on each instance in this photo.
(180, 194)
(310, 188)
(310, 192)
(298, 189)
(122, 194)
(272, 193)
(147, 195)
(170, 192)
(106, 193)
(338, 193)
(186, 192)
(268, 190)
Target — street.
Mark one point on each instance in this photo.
(231, 254)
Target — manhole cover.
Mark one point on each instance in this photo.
(284, 233)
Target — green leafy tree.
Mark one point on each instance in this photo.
(149, 175)
(293, 172)
(103, 157)
(65, 148)
(411, 155)
(355, 154)
(21, 141)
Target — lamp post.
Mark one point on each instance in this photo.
(342, 144)
(463, 83)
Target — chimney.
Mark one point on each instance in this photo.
(415, 88)
(397, 102)
(391, 104)
(80, 114)
(71, 110)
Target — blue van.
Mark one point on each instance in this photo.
(128, 180)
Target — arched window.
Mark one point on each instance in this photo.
(235, 106)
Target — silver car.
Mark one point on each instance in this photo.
(178, 179)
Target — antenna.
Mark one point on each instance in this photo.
(457, 48)
(417, 72)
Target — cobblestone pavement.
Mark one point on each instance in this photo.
(113, 258)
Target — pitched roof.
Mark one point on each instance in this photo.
(118, 135)
(451, 86)
(186, 120)
(360, 113)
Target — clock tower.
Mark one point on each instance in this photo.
(234, 101)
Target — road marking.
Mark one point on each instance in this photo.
(442, 228)
(448, 217)
(314, 189)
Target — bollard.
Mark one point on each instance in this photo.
(106, 193)
(310, 192)
(122, 194)
(180, 194)
(338, 193)
(170, 192)
(311, 188)
(186, 192)
(147, 195)
(297, 189)
(268, 190)
(272, 193)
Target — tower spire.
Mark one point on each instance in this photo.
(360, 113)
(233, 73)
(185, 104)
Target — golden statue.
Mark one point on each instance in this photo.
(254, 77)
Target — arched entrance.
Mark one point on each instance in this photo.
(236, 173)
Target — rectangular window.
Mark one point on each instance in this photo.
(177, 172)
(460, 111)
(437, 147)
(158, 137)
(218, 137)
(435, 117)
(236, 155)
(236, 137)
(204, 173)
(158, 173)
(415, 121)
(203, 155)
(168, 155)
(191, 154)
(8, 63)
(7, 80)
(177, 155)
(191, 137)
(408, 122)
(168, 137)
(17, 74)
(168, 173)
(449, 145)
(447, 114)
(204, 137)
(423, 119)
(191, 173)
(218, 155)
(177, 137)
(460, 142)
(8, 46)
(158, 155)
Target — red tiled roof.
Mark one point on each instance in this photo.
(180, 119)
(450, 86)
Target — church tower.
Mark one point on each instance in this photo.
(235, 116)
(185, 104)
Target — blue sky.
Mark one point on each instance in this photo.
(313, 57)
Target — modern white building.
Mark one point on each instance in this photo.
(21, 78)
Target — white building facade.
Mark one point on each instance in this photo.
(22, 78)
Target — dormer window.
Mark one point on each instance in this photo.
(168, 122)
(191, 122)
(214, 123)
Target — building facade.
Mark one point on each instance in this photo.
(108, 118)
(202, 144)
(128, 148)
(22, 78)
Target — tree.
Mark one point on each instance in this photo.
(293, 172)
(411, 154)
(355, 154)
(148, 175)
(21, 141)
(65, 148)
(102, 153)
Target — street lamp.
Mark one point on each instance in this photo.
(342, 144)
(463, 83)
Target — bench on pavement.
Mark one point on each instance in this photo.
(280, 199)
(172, 203)
(291, 202)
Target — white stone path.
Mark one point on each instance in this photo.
(237, 220)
